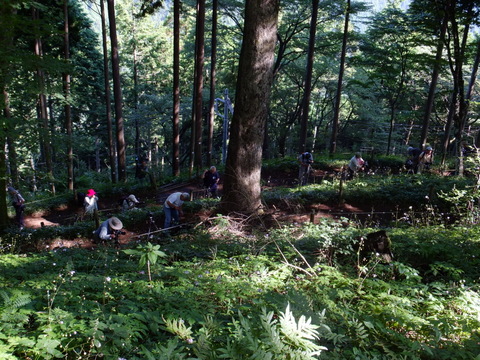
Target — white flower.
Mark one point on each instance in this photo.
(108, 278)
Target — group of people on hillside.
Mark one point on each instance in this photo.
(417, 162)
(110, 228)
(305, 160)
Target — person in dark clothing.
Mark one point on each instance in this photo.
(305, 160)
(412, 161)
(141, 169)
(210, 180)
(18, 202)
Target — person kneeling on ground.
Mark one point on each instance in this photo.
(108, 230)
(130, 202)
(173, 207)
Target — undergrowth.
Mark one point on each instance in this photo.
(230, 290)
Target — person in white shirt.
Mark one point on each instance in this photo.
(355, 165)
(173, 207)
(90, 202)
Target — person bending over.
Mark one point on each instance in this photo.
(173, 207)
(108, 230)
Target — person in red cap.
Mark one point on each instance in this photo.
(90, 202)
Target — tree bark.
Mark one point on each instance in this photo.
(242, 191)
(117, 93)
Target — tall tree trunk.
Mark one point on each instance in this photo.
(458, 107)
(433, 82)
(108, 107)
(66, 91)
(135, 96)
(42, 105)
(200, 57)
(308, 78)
(117, 93)
(338, 98)
(4, 221)
(255, 75)
(213, 64)
(176, 90)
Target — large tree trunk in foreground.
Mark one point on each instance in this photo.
(255, 75)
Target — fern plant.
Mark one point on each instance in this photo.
(282, 338)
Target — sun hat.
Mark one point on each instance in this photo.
(11, 189)
(115, 223)
(133, 199)
(91, 192)
(186, 195)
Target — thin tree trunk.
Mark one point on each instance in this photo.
(176, 89)
(66, 91)
(213, 64)
(108, 107)
(4, 221)
(42, 105)
(200, 56)
(338, 98)
(308, 78)
(117, 92)
(433, 83)
(135, 97)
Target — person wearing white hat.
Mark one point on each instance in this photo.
(107, 229)
(173, 207)
(130, 202)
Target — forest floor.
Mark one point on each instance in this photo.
(67, 215)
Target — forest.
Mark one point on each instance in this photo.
(142, 97)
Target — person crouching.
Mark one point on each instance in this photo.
(108, 230)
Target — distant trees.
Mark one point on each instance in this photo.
(403, 82)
